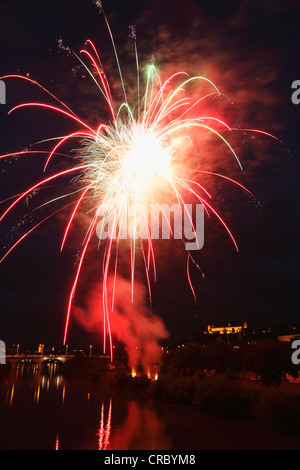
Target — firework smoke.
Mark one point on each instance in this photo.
(130, 322)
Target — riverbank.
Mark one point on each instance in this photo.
(276, 407)
(118, 411)
(222, 395)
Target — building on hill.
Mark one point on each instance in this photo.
(227, 330)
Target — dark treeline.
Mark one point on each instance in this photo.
(269, 360)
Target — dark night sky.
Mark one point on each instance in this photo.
(249, 49)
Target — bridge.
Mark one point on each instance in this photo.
(40, 360)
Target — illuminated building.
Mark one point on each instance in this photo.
(227, 330)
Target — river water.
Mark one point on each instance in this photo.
(46, 412)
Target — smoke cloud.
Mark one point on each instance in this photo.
(130, 321)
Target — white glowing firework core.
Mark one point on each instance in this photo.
(146, 160)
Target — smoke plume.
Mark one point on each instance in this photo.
(130, 321)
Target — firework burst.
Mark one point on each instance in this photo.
(127, 162)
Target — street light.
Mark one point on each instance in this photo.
(67, 349)
(91, 349)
